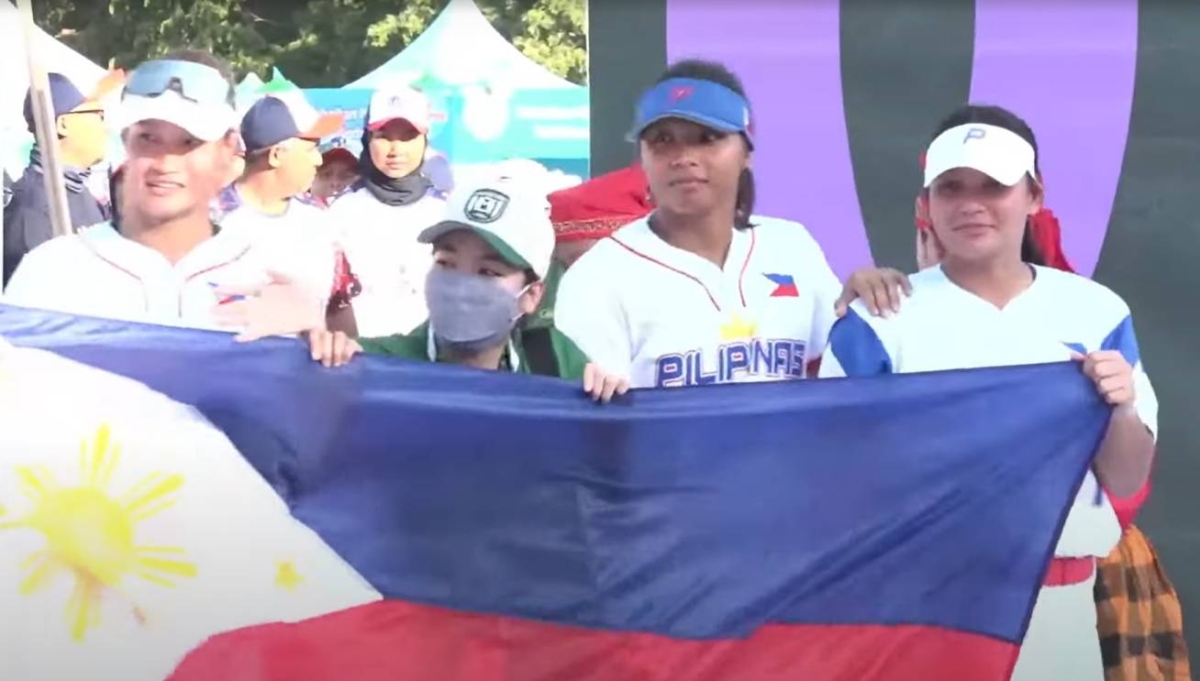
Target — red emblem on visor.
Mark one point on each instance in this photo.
(679, 93)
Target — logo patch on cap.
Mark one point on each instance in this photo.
(486, 205)
(680, 93)
(974, 134)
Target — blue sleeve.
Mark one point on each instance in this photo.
(1123, 339)
(857, 347)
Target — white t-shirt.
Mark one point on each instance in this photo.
(380, 242)
(942, 327)
(303, 236)
(100, 273)
(666, 317)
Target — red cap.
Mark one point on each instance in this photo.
(332, 153)
(600, 206)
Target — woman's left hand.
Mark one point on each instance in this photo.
(880, 288)
(1112, 375)
(601, 385)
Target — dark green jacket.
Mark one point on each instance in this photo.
(540, 349)
(545, 312)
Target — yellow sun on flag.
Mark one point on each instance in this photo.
(738, 328)
(90, 533)
(287, 577)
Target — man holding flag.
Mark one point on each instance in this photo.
(167, 262)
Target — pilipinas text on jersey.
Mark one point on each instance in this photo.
(742, 360)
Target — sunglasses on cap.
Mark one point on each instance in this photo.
(195, 82)
(78, 112)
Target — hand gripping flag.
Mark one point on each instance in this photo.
(871, 529)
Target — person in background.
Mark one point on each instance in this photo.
(491, 251)
(586, 213)
(591, 211)
(1138, 612)
(279, 137)
(164, 261)
(439, 170)
(337, 175)
(82, 141)
(380, 221)
(988, 302)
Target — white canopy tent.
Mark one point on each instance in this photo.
(460, 47)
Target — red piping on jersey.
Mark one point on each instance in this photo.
(745, 265)
(145, 293)
(210, 268)
(673, 269)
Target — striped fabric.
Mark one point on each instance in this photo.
(1139, 616)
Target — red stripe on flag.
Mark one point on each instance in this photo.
(393, 640)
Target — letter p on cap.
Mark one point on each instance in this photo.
(974, 134)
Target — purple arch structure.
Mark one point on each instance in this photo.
(1067, 67)
(791, 66)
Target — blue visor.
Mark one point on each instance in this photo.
(196, 82)
(699, 101)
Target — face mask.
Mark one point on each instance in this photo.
(469, 313)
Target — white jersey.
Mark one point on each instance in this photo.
(942, 327)
(302, 235)
(100, 273)
(665, 317)
(380, 242)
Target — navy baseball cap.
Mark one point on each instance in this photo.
(282, 116)
(691, 99)
(64, 97)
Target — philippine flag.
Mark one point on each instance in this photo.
(785, 286)
(177, 505)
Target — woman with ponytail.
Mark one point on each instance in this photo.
(1138, 613)
(988, 301)
(702, 290)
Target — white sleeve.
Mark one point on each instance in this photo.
(830, 367)
(828, 288)
(38, 282)
(588, 310)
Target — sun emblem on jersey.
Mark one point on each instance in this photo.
(738, 328)
(90, 533)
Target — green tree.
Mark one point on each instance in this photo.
(322, 43)
(554, 35)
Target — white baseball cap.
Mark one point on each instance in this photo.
(997, 152)
(511, 214)
(208, 122)
(399, 102)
